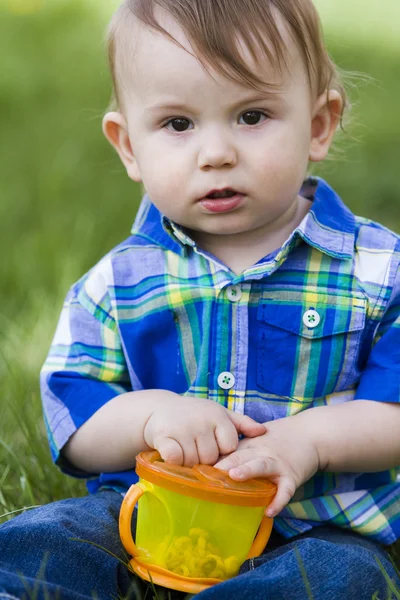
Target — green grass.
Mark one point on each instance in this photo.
(366, 21)
(66, 200)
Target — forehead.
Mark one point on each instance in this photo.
(157, 61)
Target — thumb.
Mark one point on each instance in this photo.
(285, 492)
(246, 425)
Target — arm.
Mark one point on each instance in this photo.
(184, 430)
(113, 436)
(357, 436)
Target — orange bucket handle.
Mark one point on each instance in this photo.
(262, 537)
(125, 517)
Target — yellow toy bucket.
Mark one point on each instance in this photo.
(195, 526)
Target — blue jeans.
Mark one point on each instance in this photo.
(41, 559)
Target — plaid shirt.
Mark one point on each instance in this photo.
(317, 322)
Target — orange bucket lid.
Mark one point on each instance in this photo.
(204, 482)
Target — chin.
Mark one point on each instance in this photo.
(232, 228)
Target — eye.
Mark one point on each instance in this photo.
(178, 124)
(252, 117)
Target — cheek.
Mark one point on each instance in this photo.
(286, 156)
(158, 173)
(158, 163)
(281, 173)
(165, 187)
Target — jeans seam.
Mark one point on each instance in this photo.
(8, 596)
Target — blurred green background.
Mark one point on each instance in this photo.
(65, 199)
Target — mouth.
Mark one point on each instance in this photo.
(222, 200)
(224, 193)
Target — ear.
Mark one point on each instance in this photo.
(326, 116)
(116, 131)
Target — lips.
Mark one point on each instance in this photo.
(221, 200)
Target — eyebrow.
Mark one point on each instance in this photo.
(260, 97)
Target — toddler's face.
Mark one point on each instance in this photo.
(214, 156)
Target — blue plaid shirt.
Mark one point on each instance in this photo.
(316, 322)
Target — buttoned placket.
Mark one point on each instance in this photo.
(230, 351)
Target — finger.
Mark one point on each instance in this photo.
(235, 460)
(170, 450)
(285, 492)
(226, 436)
(190, 454)
(246, 425)
(254, 467)
(207, 449)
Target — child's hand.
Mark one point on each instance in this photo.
(189, 431)
(283, 454)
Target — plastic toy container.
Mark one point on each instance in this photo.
(195, 526)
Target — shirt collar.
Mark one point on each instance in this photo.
(151, 225)
(329, 225)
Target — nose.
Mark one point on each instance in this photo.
(217, 150)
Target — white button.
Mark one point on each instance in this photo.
(311, 318)
(226, 380)
(233, 293)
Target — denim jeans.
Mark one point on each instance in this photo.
(42, 559)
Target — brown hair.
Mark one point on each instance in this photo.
(213, 28)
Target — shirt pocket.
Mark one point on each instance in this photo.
(307, 343)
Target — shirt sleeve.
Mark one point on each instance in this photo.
(85, 367)
(380, 379)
